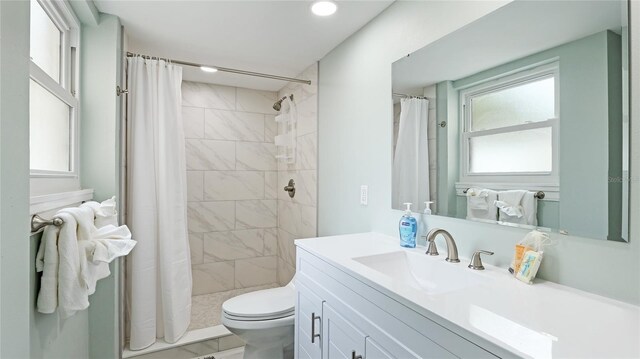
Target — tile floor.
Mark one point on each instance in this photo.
(205, 312)
(206, 308)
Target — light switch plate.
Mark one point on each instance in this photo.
(364, 195)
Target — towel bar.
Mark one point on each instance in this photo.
(37, 222)
(538, 195)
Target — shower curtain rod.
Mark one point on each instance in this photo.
(410, 96)
(226, 69)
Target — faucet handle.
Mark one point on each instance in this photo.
(476, 261)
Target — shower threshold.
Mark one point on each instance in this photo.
(205, 335)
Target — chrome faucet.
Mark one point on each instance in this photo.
(452, 250)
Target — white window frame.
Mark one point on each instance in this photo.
(534, 181)
(66, 90)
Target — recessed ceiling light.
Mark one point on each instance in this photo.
(208, 69)
(324, 7)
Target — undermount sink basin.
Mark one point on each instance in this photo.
(423, 273)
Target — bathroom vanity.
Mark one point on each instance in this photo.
(363, 296)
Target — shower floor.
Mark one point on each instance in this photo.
(206, 308)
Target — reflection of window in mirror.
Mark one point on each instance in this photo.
(510, 128)
(53, 101)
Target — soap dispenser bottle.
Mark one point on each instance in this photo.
(427, 207)
(408, 228)
(423, 217)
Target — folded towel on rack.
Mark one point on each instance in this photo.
(72, 266)
(481, 204)
(518, 206)
(48, 295)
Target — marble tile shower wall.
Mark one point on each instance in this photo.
(232, 186)
(297, 217)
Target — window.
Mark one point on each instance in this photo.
(510, 129)
(53, 99)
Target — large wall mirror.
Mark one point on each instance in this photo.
(520, 118)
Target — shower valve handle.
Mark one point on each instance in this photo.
(291, 188)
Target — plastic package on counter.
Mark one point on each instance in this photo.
(529, 266)
(533, 241)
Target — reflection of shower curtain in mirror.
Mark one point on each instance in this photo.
(159, 268)
(411, 159)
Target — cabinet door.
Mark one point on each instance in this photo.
(374, 351)
(308, 336)
(341, 339)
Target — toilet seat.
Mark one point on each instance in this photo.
(258, 324)
(262, 305)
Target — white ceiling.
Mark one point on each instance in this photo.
(276, 37)
(516, 30)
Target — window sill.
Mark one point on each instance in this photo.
(53, 201)
(551, 191)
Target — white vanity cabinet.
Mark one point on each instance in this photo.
(341, 338)
(338, 316)
(308, 323)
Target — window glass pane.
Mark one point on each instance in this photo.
(526, 103)
(45, 41)
(520, 151)
(49, 121)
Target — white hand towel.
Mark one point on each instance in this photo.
(47, 263)
(481, 204)
(105, 213)
(108, 243)
(73, 295)
(92, 239)
(517, 206)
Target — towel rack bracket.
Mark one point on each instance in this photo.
(37, 222)
(538, 194)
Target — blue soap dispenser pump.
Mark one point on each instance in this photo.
(408, 228)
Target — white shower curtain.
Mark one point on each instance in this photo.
(411, 160)
(159, 268)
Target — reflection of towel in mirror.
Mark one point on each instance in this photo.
(481, 204)
(518, 206)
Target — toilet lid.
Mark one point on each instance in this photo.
(262, 304)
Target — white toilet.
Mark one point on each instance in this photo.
(264, 320)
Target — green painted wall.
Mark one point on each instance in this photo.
(15, 300)
(25, 333)
(355, 141)
(93, 333)
(101, 72)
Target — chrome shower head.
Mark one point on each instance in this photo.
(278, 105)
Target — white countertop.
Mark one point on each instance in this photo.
(539, 320)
